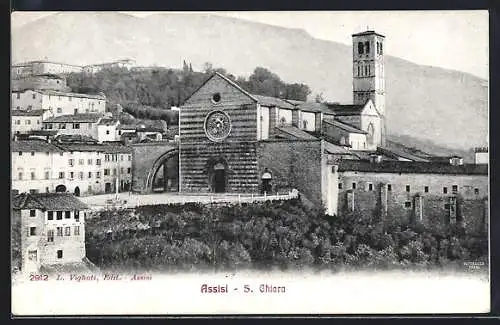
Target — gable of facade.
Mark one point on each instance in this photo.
(222, 101)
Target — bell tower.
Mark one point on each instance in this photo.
(368, 72)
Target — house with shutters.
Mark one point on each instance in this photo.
(49, 229)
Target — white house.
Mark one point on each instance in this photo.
(79, 168)
(97, 126)
(52, 228)
(23, 122)
(57, 102)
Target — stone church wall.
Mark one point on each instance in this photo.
(293, 164)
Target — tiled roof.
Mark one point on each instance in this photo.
(47, 201)
(67, 94)
(43, 61)
(127, 127)
(395, 153)
(86, 118)
(273, 101)
(48, 75)
(106, 148)
(295, 132)
(346, 109)
(411, 167)
(149, 129)
(42, 132)
(70, 138)
(481, 149)
(344, 126)
(105, 121)
(34, 112)
(33, 146)
(294, 102)
(368, 32)
(336, 149)
(314, 107)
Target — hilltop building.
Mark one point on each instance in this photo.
(51, 228)
(58, 102)
(41, 67)
(124, 64)
(41, 82)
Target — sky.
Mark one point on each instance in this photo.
(450, 39)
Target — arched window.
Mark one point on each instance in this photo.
(366, 70)
(367, 47)
(358, 71)
(378, 48)
(360, 48)
(370, 131)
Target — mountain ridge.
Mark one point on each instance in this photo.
(446, 106)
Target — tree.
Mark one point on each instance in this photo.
(207, 67)
(319, 98)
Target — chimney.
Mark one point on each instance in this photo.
(456, 161)
(481, 155)
(376, 158)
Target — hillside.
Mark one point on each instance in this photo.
(447, 107)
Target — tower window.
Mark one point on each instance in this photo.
(358, 71)
(367, 46)
(360, 48)
(366, 70)
(407, 188)
(353, 186)
(381, 48)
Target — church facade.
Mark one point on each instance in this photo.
(232, 141)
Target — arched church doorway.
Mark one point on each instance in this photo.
(266, 181)
(60, 188)
(219, 179)
(77, 191)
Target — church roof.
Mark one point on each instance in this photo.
(315, 108)
(273, 101)
(231, 82)
(294, 132)
(346, 109)
(294, 102)
(336, 149)
(47, 201)
(368, 32)
(344, 126)
(411, 167)
(395, 153)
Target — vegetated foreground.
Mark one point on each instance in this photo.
(286, 235)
